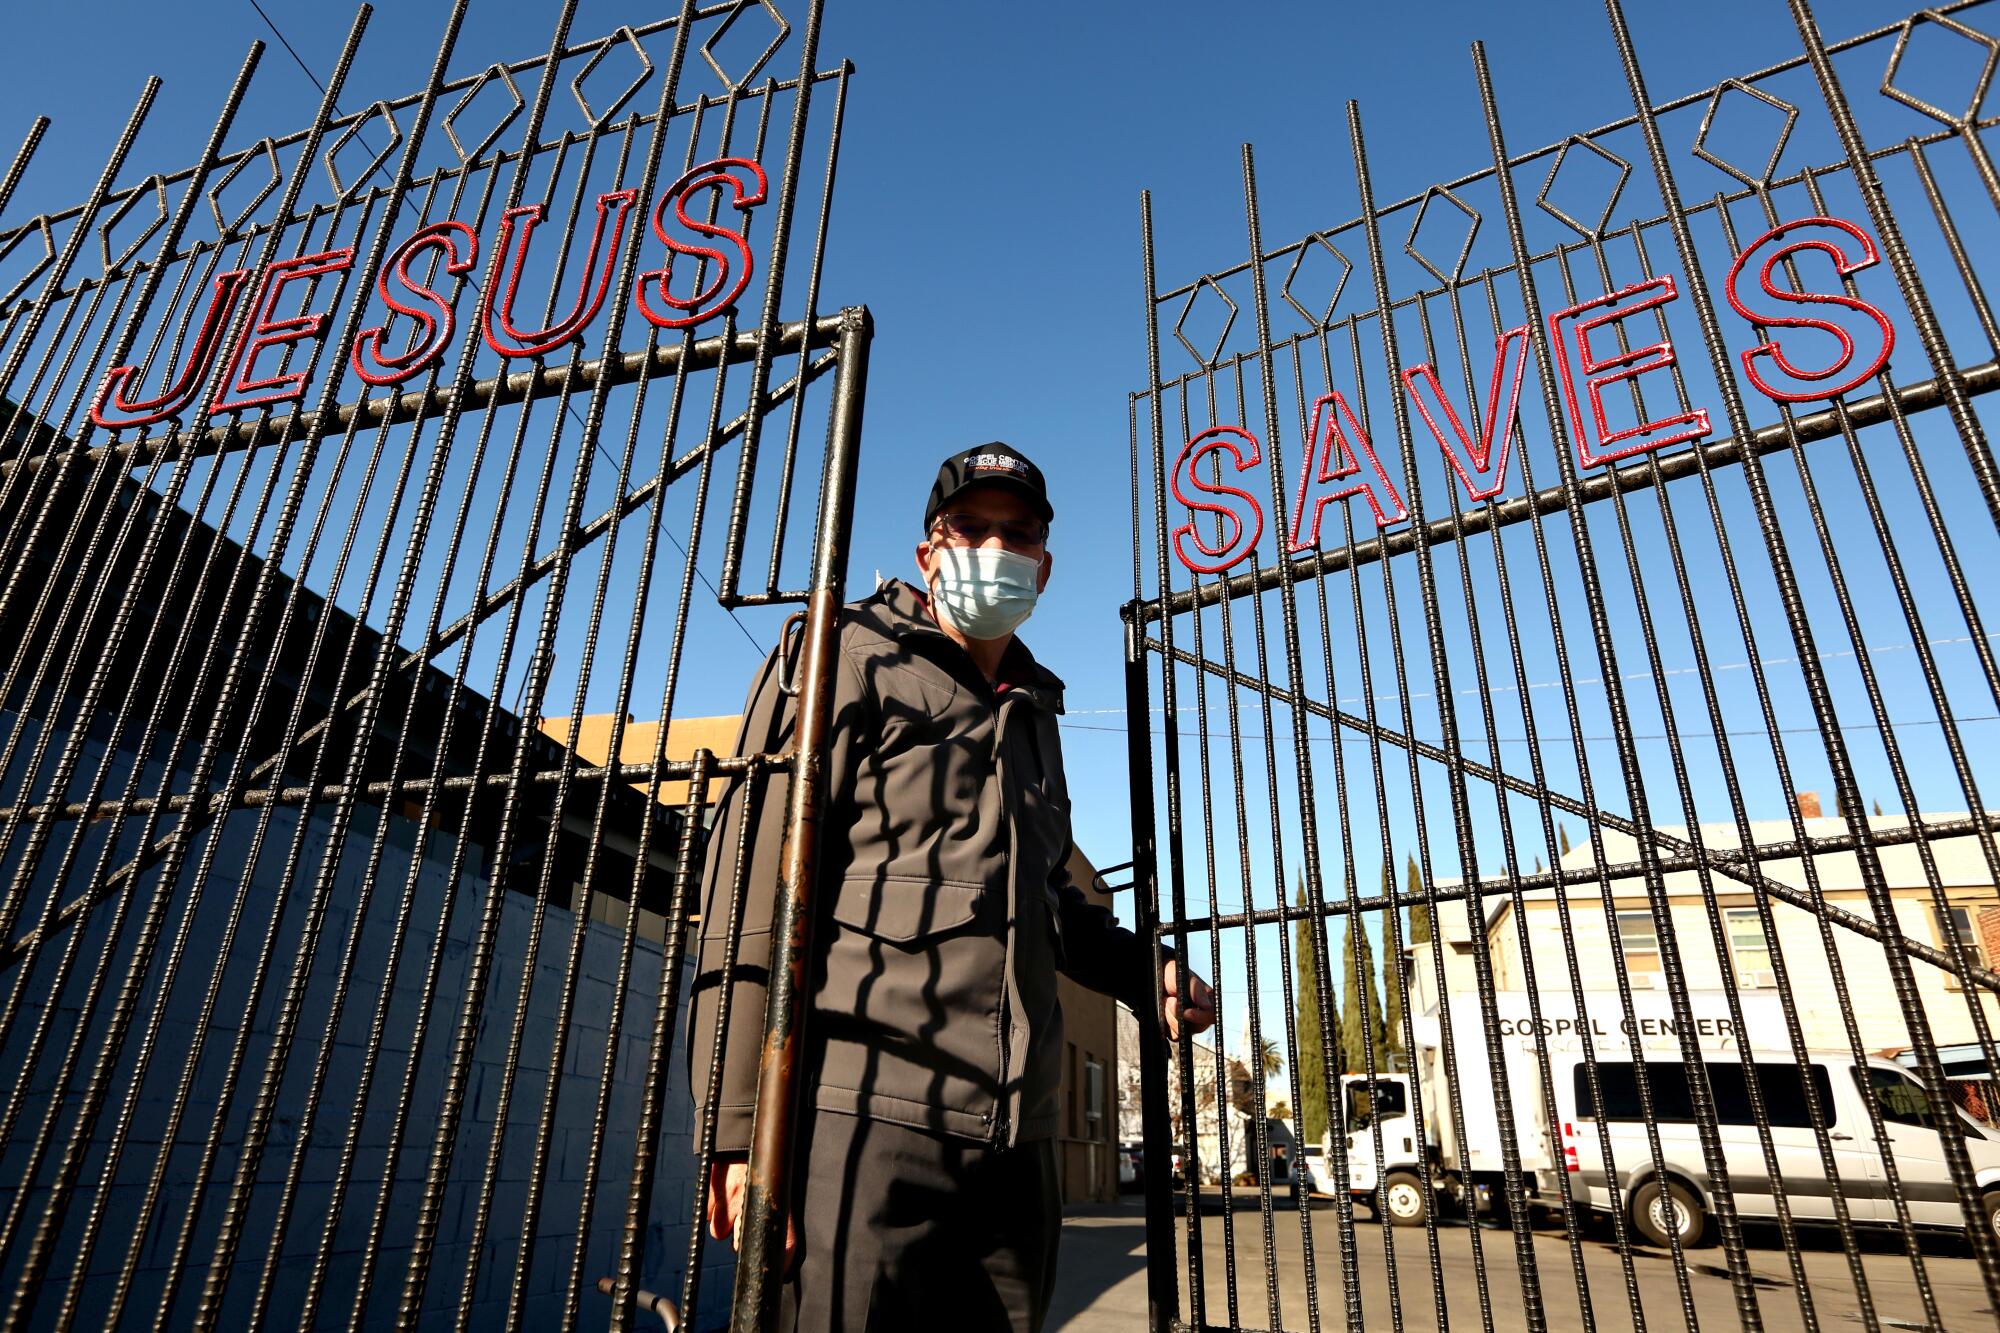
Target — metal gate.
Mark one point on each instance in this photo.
(359, 486)
(1561, 712)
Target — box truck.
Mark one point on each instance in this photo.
(1465, 1162)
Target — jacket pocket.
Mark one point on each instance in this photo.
(903, 909)
(909, 1004)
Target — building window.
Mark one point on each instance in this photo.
(1640, 940)
(1093, 1099)
(1750, 948)
(1961, 919)
(1968, 938)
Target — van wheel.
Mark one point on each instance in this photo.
(1678, 1210)
(1989, 1203)
(1402, 1198)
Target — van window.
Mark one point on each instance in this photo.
(1899, 1096)
(1783, 1091)
(1388, 1100)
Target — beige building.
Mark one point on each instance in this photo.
(1087, 1132)
(1747, 956)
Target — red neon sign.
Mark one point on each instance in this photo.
(422, 319)
(1328, 443)
(1589, 357)
(1484, 459)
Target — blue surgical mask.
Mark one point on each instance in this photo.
(984, 592)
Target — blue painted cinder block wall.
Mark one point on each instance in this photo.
(336, 989)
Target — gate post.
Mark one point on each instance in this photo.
(766, 1197)
(1162, 1294)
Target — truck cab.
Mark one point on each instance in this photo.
(1394, 1182)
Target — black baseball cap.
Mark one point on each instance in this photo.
(994, 464)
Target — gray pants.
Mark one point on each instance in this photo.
(908, 1230)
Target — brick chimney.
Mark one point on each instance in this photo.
(1808, 804)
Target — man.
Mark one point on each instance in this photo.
(924, 1181)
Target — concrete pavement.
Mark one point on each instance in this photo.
(1101, 1286)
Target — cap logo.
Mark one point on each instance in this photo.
(995, 463)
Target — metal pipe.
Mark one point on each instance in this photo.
(767, 1196)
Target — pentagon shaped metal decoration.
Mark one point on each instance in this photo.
(1220, 338)
(1417, 224)
(268, 150)
(39, 225)
(1317, 240)
(631, 40)
(1543, 202)
(154, 187)
(1915, 103)
(722, 29)
(478, 84)
(1701, 149)
(380, 111)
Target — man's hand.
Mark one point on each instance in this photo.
(726, 1182)
(1197, 1012)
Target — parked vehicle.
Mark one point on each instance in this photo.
(1316, 1176)
(1131, 1166)
(1421, 1141)
(1252, 1140)
(1683, 1200)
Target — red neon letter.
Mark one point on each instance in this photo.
(712, 299)
(121, 381)
(1510, 356)
(1244, 535)
(1333, 453)
(434, 318)
(1805, 386)
(1598, 448)
(239, 390)
(590, 289)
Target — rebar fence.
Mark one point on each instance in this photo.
(1561, 709)
(346, 863)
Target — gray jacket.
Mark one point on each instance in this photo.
(943, 910)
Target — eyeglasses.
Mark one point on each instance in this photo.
(973, 529)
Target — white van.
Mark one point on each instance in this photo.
(1589, 1129)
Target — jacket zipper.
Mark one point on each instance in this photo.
(1000, 1117)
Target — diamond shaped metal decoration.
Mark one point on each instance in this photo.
(451, 117)
(1417, 225)
(154, 188)
(722, 29)
(379, 111)
(39, 226)
(1314, 243)
(1543, 202)
(1211, 285)
(1722, 90)
(597, 119)
(267, 149)
(1915, 103)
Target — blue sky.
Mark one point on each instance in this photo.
(988, 213)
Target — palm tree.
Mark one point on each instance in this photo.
(1274, 1059)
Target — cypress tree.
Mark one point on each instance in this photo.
(1351, 1029)
(1394, 982)
(1312, 1064)
(1361, 1009)
(1420, 915)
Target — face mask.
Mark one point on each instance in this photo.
(982, 592)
